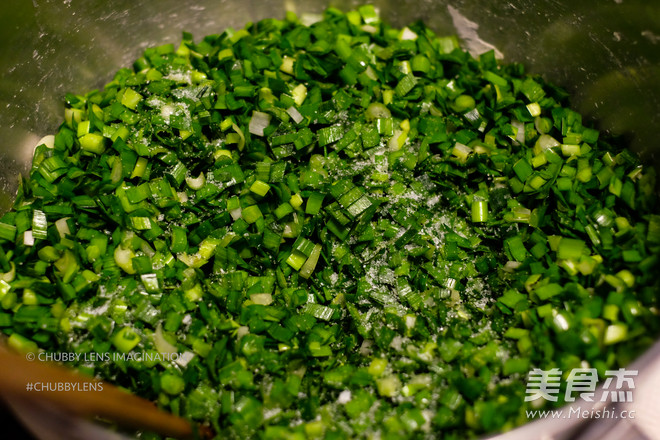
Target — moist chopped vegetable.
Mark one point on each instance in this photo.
(341, 230)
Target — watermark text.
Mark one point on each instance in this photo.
(40, 387)
(92, 357)
(580, 383)
(579, 413)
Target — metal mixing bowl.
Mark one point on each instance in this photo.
(606, 53)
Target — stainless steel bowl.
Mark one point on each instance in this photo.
(606, 53)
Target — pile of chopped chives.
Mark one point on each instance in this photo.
(342, 230)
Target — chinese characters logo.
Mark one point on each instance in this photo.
(581, 382)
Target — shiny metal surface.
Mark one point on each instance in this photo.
(606, 53)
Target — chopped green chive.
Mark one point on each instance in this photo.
(340, 229)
